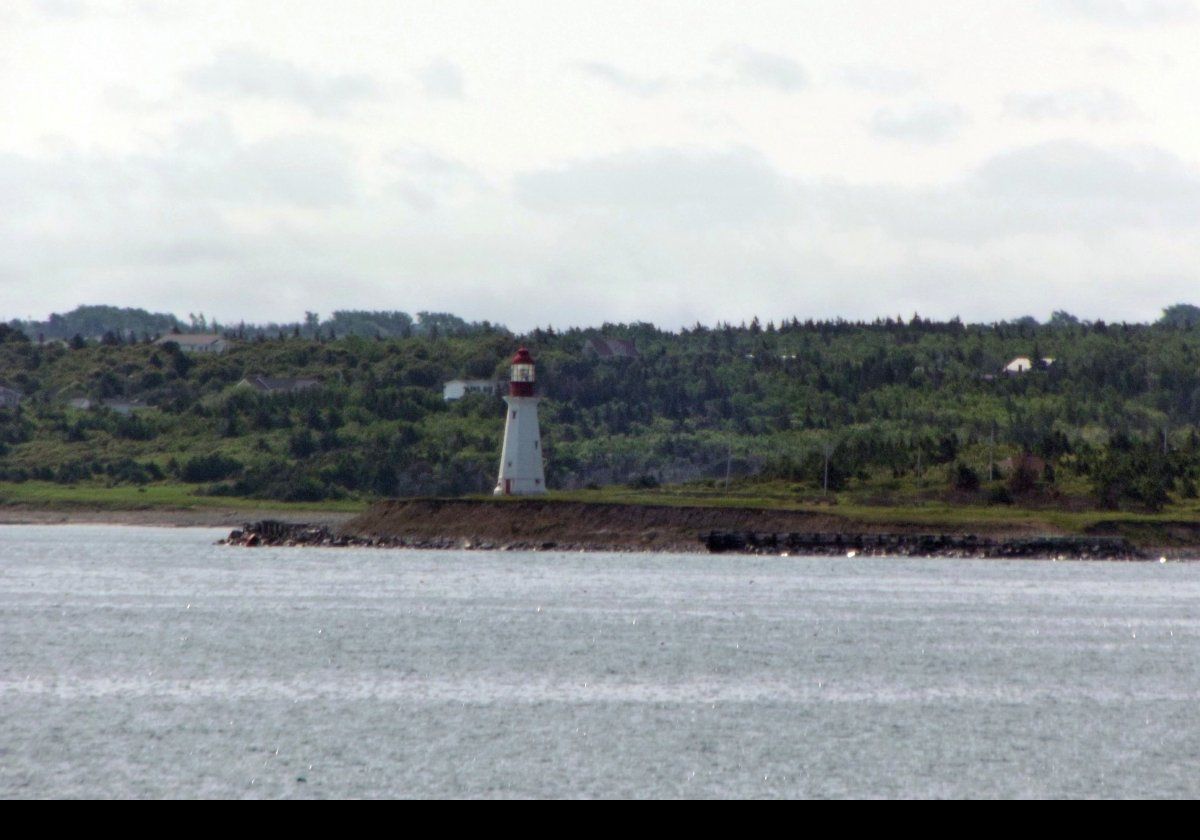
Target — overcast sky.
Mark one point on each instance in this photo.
(570, 163)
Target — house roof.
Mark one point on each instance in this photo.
(191, 338)
(1024, 362)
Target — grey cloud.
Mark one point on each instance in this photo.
(62, 8)
(1082, 182)
(620, 80)
(1064, 188)
(248, 74)
(442, 80)
(664, 186)
(1096, 105)
(734, 66)
(207, 162)
(427, 180)
(1128, 12)
(755, 67)
(926, 122)
(878, 79)
(669, 235)
(303, 170)
(100, 211)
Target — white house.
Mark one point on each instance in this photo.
(456, 389)
(1021, 364)
(9, 397)
(197, 342)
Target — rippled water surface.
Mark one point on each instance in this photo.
(149, 662)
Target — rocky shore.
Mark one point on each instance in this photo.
(467, 526)
(270, 532)
(923, 545)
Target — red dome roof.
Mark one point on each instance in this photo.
(522, 357)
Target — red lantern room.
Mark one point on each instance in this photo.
(520, 384)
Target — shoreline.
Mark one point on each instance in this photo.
(532, 524)
(572, 526)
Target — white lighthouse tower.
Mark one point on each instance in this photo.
(521, 470)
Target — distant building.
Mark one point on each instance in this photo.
(610, 348)
(197, 342)
(9, 397)
(456, 389)
(1022, 364)
(278, 384)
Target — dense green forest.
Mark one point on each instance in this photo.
(879, 412)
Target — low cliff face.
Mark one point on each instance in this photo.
(532, 524)
(540, 523)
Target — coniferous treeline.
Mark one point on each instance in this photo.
(113, 325)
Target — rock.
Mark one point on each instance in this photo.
(920, 545)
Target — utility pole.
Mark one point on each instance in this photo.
(827, 449)
(729, 463)
(992, 454)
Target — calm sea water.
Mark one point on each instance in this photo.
(149, 662)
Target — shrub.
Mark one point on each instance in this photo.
(965, 478)
(214, 467)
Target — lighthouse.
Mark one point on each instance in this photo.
(521, 458)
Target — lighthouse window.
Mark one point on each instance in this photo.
(535, 444)
(514, 415)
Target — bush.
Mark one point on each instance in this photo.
(214, 467)
(998, 495)
(965, 478)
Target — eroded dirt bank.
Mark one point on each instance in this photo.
(563, 525)
(538, 523)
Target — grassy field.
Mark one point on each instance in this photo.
(42, 495)
(1178, 523)
(1167, 527)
